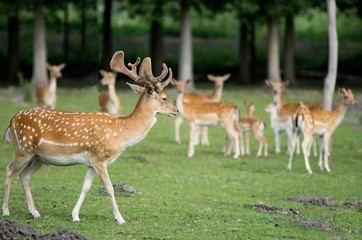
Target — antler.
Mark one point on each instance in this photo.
(145, 76)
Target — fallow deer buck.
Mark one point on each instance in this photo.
(288, 109)
(200, 98)
(246, 125)
(43, 136)
(207, 114)
(321, 123)
(109, 101)
(46, 95)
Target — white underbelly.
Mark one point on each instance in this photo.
(206, 122)
(67, 160)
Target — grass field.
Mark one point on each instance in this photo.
(204, 197)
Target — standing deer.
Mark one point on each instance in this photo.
(46, 95)
(288, 109)
(246, 125)
(207, 114)
(43, 136)
(109, 101)
(200, 98)
(322, 124)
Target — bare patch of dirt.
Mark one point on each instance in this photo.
(10, 229)
(324, 202)
(294, 213)
(121, 190)
(317, 225)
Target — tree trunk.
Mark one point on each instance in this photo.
(252, 51)
(107, 35)
(40, 49)
(273, 50)
(13, 48)
(83, 43)
(185, 61)
(156, 44)
(66, 33)
(289, 70)
(330, 80)
(244, 73)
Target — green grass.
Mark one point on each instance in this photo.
(204, 197)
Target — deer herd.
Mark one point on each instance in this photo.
(45, 136)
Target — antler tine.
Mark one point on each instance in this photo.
(117, 65)
(146, 72)
(165, 83)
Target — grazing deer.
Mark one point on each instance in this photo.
(279, 125)
(109, 101)
(43, 136)
(321, 123)
(207, 114)
(250, 124)
(288, 109)
(46, 95)
(214, 97)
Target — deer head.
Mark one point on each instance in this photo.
(219, 80)
(346, 96)
(55, 70)
(152, 88)
(108, 77)
(180, 85)
(276, 86)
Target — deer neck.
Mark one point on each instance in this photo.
(179, 104)
(138, 123)
(216, 94)
(340, 112)
(249, 113)
(273, 116)
(112, 93)
(52, 85)
(278, 99)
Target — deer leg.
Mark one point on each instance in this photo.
(205, 137)
(104, 177)
(88, 180)
(178, 122)
(197, 135)
(234, 136)
(306, 142)
(326, 142)
(321, 151)
(241, 140)
(277, 142)
(292, 149)
(25, 175)
(297, 141)
(191, 150)
(11, 170)
(247, 136)
(227, 149)
(315, 146)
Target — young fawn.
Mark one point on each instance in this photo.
(43, 136)
(46, 95)
(109, 101)
(250, 124)
(207, 114)
(320, 123)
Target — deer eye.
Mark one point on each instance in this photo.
(164, 99)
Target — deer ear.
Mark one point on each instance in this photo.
(341, 92)
(49, 66)
(211, 77)
(61, 66)
(226, 76)
(137, 89)
(267, 82)
(286, 83)
(103, 73)
(188, 81)
(173, 81)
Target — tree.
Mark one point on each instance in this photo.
(289, 68)
(156, 38)
(107, 35)
(273, 49)
(185, 68)
(39, 47)
(330, 80)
